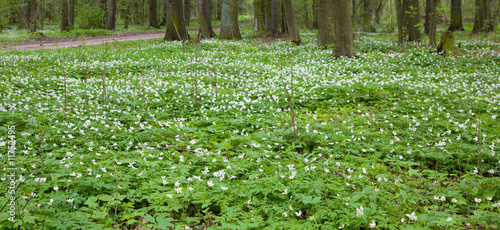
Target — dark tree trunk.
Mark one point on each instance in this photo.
(71, 14)
(408, 18)
(41, 14)
(204, 30)
(23, 15)
(267, 14)
(305, 7)
(259, 9)
(275, 19)
(176, 27)
(33, 16)
(367, 16)
(433, 22)
(187, 12)
(482, 22)
(378, 11)
(325, 23)
(344, 44)
(127, 15)
(283, 26)
(293, 29)
(315, 14)
(153, 14)
(110, 25)
(428, 10)
(64, 15)
(168, 10)
(205, 8)
(230, 28)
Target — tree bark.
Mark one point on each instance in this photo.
(33, 16)
(344, 42)
(367, 17)
(205, 9)
(71, 14)
(378, 11)
(433, 22)
(41, 14)
(127, 15)
(325, 23)
(176, 27)
(267, 14)
(110, 25)
(428, 11)
(153, 14)
(187, 12)
(230, 28)
(203, 30)
(315, 14)
(482, 22)
(275, 19)
(293, 29)
(23, 15)
(259, 9)
(64, 15)
(408, 18)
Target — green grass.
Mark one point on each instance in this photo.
(391, 137)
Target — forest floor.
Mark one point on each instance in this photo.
(86, 40)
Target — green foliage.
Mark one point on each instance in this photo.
(389, 138)
(92, 17)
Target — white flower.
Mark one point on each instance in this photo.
(359, 211)
(449, 219)
(402, 220)
(285, 192)
(70, 200)
(177, 184)
(298, 213)
(210, 183)
(373, 224)
(454, 200)
(412, 216)
(489, 198)
(284, 214)
(191, 188)
(341, 227)
(164, 182)
(223, 188)
(178, 189)
(442, 198)
(477, 200)
(56, 188)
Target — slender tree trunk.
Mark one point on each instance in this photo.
(268, 14)
(367, 16)
(64, 15)
(71, 14)
(176, 27)
(203, 30)
(428, 12)
(315, 14)
(283, 26)
(482, 22)
(127, 15)
(325, 24)
(23, 15)
(305, 7)
(275, 19)
(104, 12)
(259, 8)
(433, 22)
(293, 29)
(33, 16)
(168, 10)
(187, 12)
(41, 14)
(110, 25)
(408, 18)
(344, 42)
(153, 14)
(205, 9)
(230, 28)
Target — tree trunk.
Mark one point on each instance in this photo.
(283, 26)
(23, 15)
(428, 11)
(41, 14)
(344, 42)
(64, 15)
(433, 22)
(307, 22)
(482, 22)
(203, 30)
(275, 19)
(187, 11)
(71, 14)
(127, 15)
(205, 9)
(104, 10)
(230, 28)
(267, 14)
(153, 14)
(367, 17)
(259, 9)
(33, 16)
(168, 10)
(293, 29)
(447, 44)
(110, 25)
(325, 23)
(408, 17)
(378, 11)
(176, 27)
(315, 14)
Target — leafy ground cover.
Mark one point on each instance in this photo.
(158, 135)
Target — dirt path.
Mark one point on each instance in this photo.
(68, 42)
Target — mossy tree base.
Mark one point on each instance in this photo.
(446, 45)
